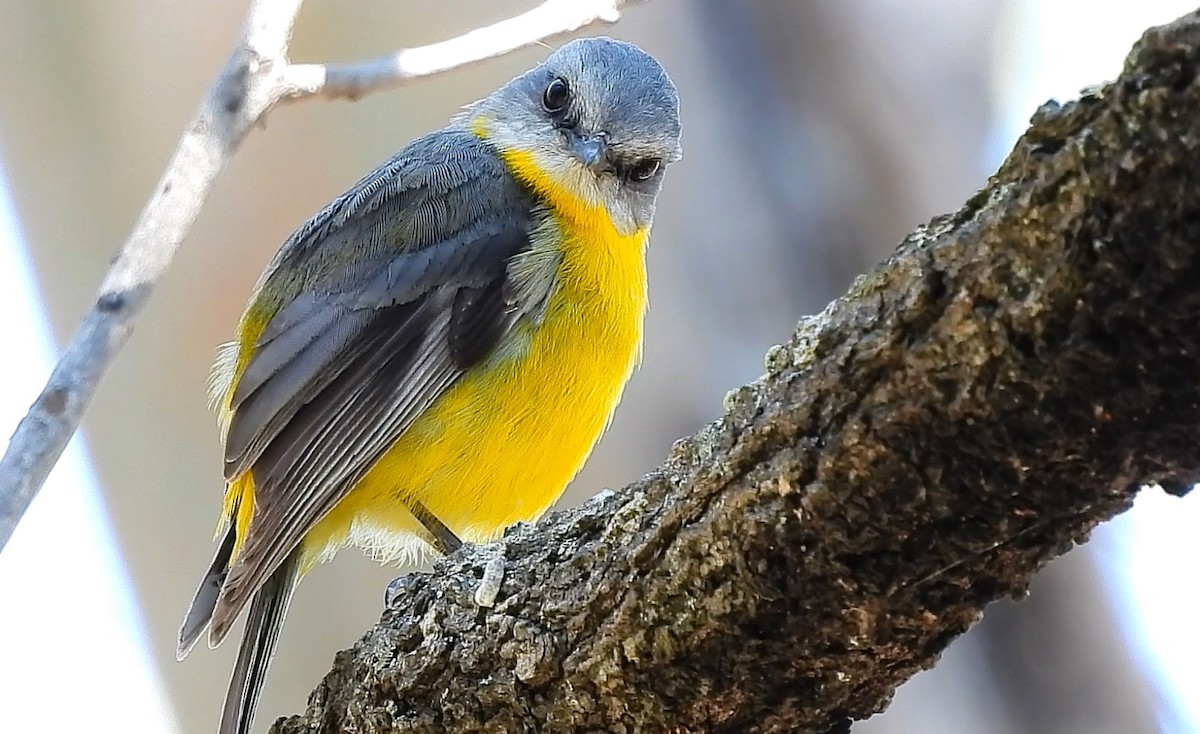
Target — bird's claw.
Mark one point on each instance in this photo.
(493, 577)
(397, 588)
(486, 592)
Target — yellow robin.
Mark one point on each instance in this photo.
(433, 355)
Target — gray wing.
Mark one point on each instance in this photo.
(343, 369)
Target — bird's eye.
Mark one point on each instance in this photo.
(644, 169)
(557, 95)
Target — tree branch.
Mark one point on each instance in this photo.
(1007, 380)
(549, 20)
(256, 77)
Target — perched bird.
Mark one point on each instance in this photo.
(433, 356)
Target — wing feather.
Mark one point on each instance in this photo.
(262, 413)
(352, 359)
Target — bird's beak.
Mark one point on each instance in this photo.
(591, 149)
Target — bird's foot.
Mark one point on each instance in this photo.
(486, 592)
(399, 586)
(493, 576)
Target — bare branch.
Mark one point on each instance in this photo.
(1009, 378)
(245, 89)
(549, 20)
(256, 77)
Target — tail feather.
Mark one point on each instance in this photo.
(200, 612)
(263, 623)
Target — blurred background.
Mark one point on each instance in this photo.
(817, 134)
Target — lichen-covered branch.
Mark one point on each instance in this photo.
(1007, 380)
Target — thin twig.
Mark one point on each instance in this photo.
(256, 78)
(549, 20)
(236, 100)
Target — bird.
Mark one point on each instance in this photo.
(431, 358)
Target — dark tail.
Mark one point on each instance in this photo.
(200, 612)
(263, 623)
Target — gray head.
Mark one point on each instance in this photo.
(598, 121)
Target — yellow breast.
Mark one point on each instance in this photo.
(501, 446)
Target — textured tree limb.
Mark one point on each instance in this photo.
(256, 77)
(1006, 381)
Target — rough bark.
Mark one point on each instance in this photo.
(1007, 380)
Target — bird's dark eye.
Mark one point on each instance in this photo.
(557, 95)
(644, 169)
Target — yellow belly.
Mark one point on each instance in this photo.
(501, 446)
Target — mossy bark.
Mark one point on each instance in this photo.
(1007, 380)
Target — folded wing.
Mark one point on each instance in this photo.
(371, 341)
